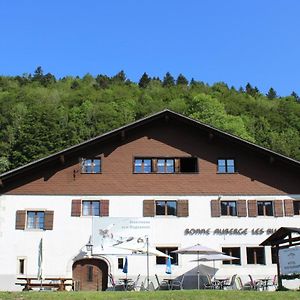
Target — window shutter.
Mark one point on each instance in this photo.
(148, 208)
(289, 207)
(278, 209)
(20, 219)
(76, 208)
(241, 208)
(104, 208)
(154, 165)
(252, 208)
(49, 219)
(177, 165)
(182, 208)
(215, 208)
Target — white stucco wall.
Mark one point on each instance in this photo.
(70, 234)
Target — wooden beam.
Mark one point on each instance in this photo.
(288, 246)
(123, 135)
(278, 269)
(62, 159)
(1, 183)
(284, 241)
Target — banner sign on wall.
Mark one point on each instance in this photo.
(289, 260)
(109, 233)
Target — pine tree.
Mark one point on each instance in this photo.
(103, 81)
(38, 74)
(271, 94)
(295, 95)
(144, 81)
(168, 80)
(181, 80)
(119, 77)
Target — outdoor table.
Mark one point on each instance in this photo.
(61, 282)
(34, 282)
(169, 281)
(264, 283)
(220, 283)
(126, 281)
(27, 285)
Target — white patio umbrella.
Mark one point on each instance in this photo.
(141, 246)
(215, 257)
(197, 249)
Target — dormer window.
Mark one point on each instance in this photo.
(226, 165)
(91, 165)
(165, 165)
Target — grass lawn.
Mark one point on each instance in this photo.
(163, 295)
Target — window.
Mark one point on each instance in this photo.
(166, 208)
(255, 256)
(226, 166)
(91, 165)
(296, 207)
(165, 165)
(120, 263)
(91, 208)
(232, 251)
(264, 208)
(228, 208)
(89, 273)
(168, 251)
(142, 166)
(35, 220)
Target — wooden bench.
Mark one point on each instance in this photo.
(58, 283)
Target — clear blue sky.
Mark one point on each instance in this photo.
(235, 41)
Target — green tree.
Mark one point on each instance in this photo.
(168, 80)
(144, 81)
(181, 80)
(271, 94)
(295, 95)
(119, 77)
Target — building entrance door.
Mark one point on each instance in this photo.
(90, 274)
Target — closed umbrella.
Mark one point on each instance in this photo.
(40, 262)
(125, 270)
(197, 249)
(125, 267)
(169, 266)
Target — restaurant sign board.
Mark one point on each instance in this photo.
(289, 260)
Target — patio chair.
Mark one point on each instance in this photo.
(131, 286)
(275, 282)
(112, 283)
(162, 285)
(239, 283)
(254, 285)
(177, 284)
(232, 284)
(209, 284)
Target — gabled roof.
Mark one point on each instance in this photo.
(279, 237)
(167, 114)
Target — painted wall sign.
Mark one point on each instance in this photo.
(228, 231)
(289, 260)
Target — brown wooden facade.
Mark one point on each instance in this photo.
(258, 171)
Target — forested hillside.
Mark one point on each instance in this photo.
(41, 115)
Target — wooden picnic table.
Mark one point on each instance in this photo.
(54, 282)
